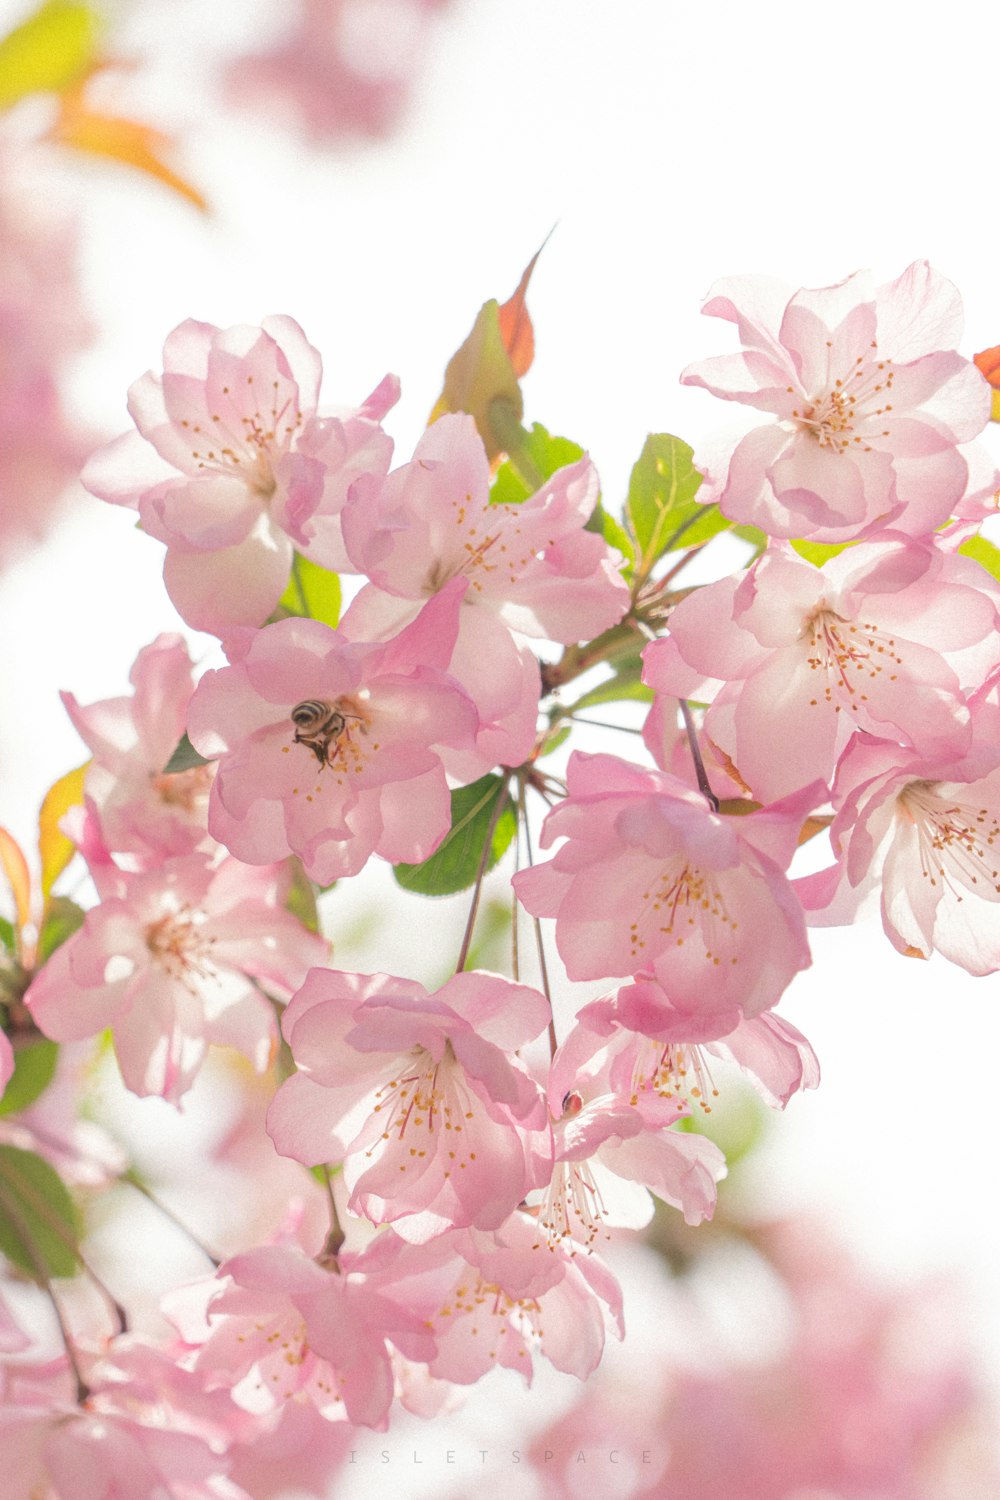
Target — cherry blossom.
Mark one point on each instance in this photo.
(332, 748)
(532, 569)
(274, 1327)
(924, 837)
(872, 404)
(644, 1044)
(436, 1123)
(231, 466)
(651, 879)
(140, 809)
(612, 1146)
(887, 637)
(502, 1298)
(172, 960)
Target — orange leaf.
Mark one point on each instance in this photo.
(55, 848)
(129, 141)
(15, 867)
(515, 325)
(988, 361)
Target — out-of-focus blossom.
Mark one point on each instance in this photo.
(887, 637)
(872, 404)
(6, 1061)
(147, 1430)
(42, 325)
(232, 468)
(172, 960)
(140, 810)
(532, 569)
(437, 1121)
(345, 69)
(871, 1395)
(649, 878)
(332, 748)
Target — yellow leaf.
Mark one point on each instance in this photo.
(48, 52)
(995, 409)
(15, 867)
(128, 141)
(55, 848)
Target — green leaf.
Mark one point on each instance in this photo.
(184, 758)
(48, 52)
(38, 1220)
(62, 918)
(661, 505)
(312, 592)
(984, 552)
(34, 1066)
(539, 452)
(623, 687)
(301, 898)
(455, 864)
(819, 553)
(7, 936)
(614, 533)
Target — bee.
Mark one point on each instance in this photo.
(319, 725)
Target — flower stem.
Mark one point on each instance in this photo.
(135, 1181)
(699, 764)
(543, 969)
(328, 1257)
(477, 889)
(20, 1226)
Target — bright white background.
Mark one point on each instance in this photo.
(671, 143)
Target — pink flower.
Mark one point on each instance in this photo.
(331, 748)
(141, 811)
(500, 1299)
(871, 400)
(231, 466)
(171, 960)
(924, 837)
(532, 569)
(613, 1148)
(277, 1328)
(649, 1046)
(651, 879)
(436, 1123)
(887, 637)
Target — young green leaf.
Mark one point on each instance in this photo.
(661, 505)
(985, 552)
(313, 592)
(545, 454)
(48, 52)
(38, 1220)
(62, 918)
(34, 1066)
(455, 864)
(184, 758)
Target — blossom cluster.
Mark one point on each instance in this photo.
(477, 1150)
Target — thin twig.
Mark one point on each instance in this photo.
(168, 1213)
